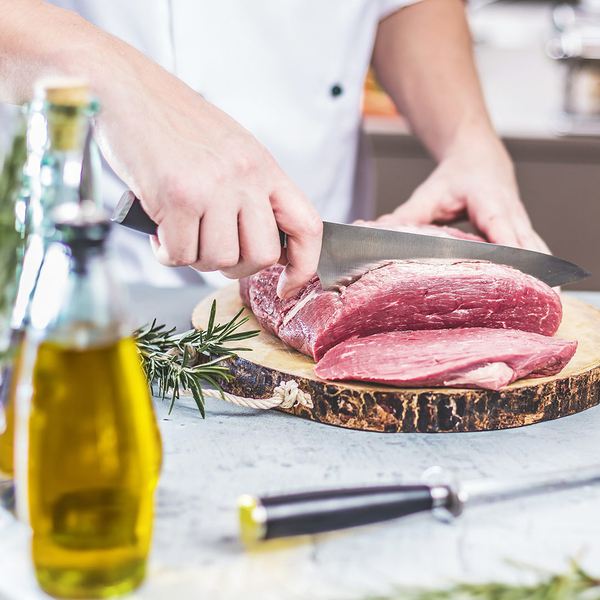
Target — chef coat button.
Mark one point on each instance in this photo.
(336, 90)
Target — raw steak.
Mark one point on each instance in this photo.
(471, 358)
(402, 296)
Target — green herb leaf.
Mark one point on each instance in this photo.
(11, 237)
(176, 362)
(575, 584)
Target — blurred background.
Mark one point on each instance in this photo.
(539, 64)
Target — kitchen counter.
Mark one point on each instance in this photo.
(209, 463)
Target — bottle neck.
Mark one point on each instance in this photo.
(86, 310)
(56, 138)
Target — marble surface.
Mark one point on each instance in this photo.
(209, 463)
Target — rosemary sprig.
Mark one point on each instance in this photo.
(11, 240)
(575, 584)
(183, 361)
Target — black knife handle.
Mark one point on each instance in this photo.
(129, 213)
(317, 512)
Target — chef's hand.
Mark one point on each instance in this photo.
(479, 184)
(423, 58)
(215, 192)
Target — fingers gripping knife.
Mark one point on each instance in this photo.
(348, 251)
(129, 213)
(439, 491)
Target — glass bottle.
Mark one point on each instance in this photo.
(93, 451)
(12, 243)
(58, 123)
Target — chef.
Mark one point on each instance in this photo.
(229, 118)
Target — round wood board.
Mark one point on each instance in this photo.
(391, 409)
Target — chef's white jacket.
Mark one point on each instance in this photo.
(290, 71)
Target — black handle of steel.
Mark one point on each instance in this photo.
(130, 213)
(318, 512)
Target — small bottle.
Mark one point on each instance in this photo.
(93, 451)
(12, 190)
(58, 123)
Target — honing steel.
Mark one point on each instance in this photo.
(348, 251)
(440, 491)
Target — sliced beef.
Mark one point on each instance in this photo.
(402, 296)
(466, 357)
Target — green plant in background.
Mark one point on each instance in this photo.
(183, 361)
(575, 584)
(11, 239)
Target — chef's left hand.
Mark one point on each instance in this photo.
(478, 183)
(423, 58)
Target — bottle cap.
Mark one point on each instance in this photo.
(67, 99)
(63, 91)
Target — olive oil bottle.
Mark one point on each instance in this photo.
(12, 192)
(7, 426)
(57, 125)
(93, 448)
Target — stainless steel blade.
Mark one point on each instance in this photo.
(348, 251)
(483, 491)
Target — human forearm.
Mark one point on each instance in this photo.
(37, 40)
(215, 192)
(423, 58)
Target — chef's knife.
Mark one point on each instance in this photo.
(309, 513)
(348, 251)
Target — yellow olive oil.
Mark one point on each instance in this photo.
(94, 461)
(7, 435)
(7, 399)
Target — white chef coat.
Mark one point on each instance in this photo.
(290, 71)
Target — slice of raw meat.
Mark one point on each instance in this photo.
(403, 296)
(469, 358)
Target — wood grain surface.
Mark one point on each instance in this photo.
(390, 409)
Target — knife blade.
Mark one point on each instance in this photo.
(308, 513)
(348, 251)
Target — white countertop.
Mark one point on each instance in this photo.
(209, 463)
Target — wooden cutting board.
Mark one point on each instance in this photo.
(389, 409)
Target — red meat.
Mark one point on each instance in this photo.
(470, 358)
(403, 296)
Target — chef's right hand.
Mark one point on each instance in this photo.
(215, 192)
